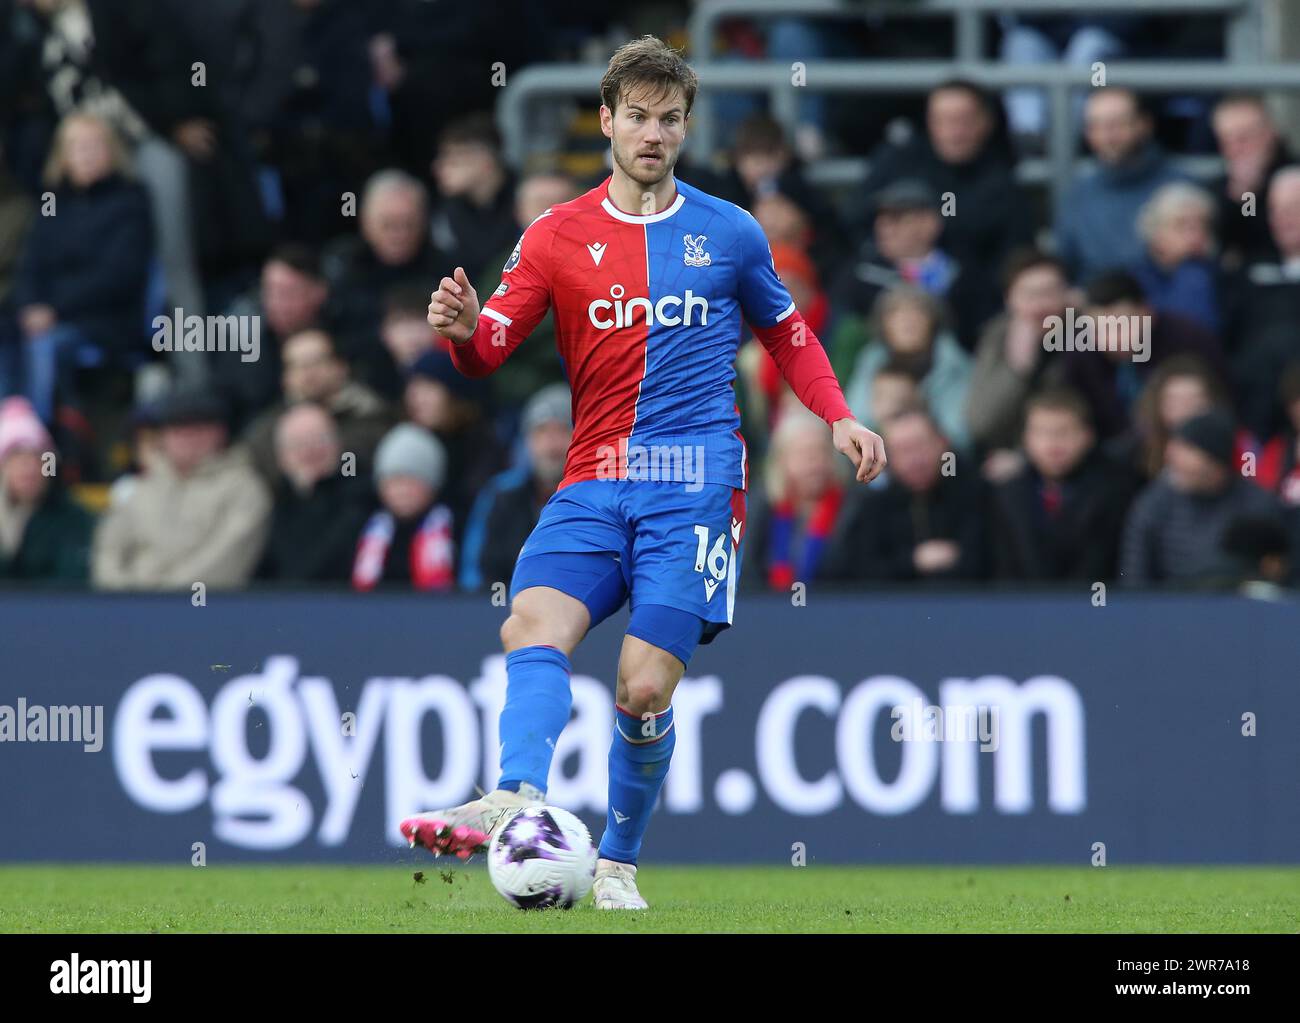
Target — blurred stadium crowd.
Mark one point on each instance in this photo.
(338, 158)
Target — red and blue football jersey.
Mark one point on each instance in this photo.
(648, 316)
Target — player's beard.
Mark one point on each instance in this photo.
(647, 177)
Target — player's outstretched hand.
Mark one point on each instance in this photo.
(864, 449)
(453, 308)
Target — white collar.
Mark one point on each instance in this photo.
(632, 218)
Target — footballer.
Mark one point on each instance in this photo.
(649, 279)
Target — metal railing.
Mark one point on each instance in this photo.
(872, 77)
(969, 16)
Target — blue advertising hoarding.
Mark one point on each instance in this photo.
(882, 728)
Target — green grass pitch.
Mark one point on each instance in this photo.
(451, 897)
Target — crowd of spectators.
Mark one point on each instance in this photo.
(322, 193)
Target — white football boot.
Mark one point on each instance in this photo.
(615, 886)
(468, 828)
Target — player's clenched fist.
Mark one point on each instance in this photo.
(453, 308)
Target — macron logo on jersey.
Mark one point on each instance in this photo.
(670, 311)
(597, 250)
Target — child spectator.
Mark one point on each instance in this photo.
(408, 542)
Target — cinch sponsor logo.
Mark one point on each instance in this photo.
(670, 311)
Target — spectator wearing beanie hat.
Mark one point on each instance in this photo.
(44, 534)
(511, 504)
(1175, 530)
(454, 408)
(409, 541)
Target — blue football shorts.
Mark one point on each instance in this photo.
(674, 551)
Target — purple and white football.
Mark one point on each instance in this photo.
(542, 859)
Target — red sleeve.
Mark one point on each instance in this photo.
(515, 308)
(485, 350)
(802, 361)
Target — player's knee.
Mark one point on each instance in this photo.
(515, 632)
(646, 694)
(526, 628)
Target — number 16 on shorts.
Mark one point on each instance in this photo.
(713, 558)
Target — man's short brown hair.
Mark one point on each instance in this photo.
(1060, 399)
(647, 61)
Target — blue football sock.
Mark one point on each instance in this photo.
(538, 701)
(638, 763)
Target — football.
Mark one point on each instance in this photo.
(542, 859)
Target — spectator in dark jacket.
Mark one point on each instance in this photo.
(1175, 530)
(80, 285)
(291, 297)
(404, 335)
(16, 212)
(963, 155)
(320, 506)
(509, 506)
(927, 522)
(904, 249)
(475, 214)
(1264, 309)
(393, 250)
(1253, 151)
(117, 59)
(1096, 224)
(1061, 516)
(44, 534)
